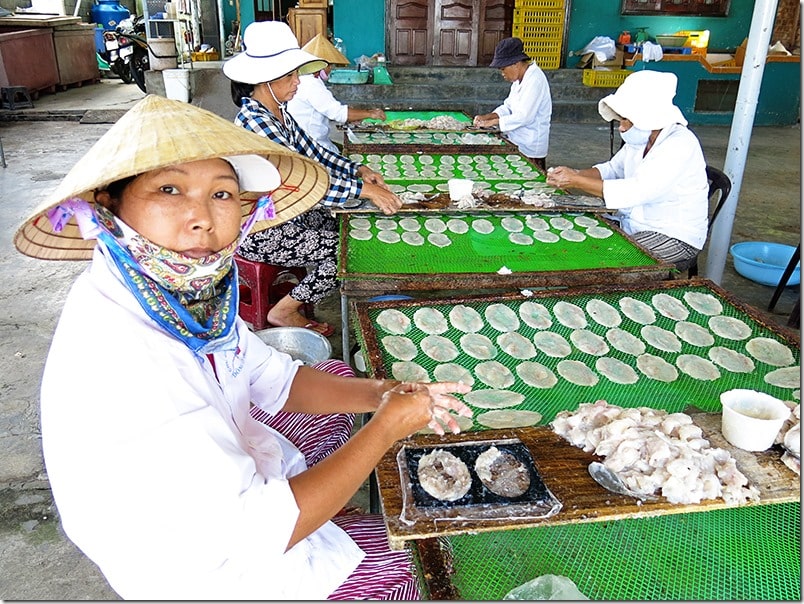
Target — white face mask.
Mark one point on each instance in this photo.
(635, 136)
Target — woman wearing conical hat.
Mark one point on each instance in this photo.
(264, 77)
(314, 106)
(656, 183)
(186, 457)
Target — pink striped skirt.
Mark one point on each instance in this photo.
(383, 574)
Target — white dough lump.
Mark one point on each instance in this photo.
(443, 475)
(653, 451)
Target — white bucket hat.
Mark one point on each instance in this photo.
(271, 51)
(646, 99)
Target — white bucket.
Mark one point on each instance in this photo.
(177, 84)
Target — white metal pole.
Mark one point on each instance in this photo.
(744, 111)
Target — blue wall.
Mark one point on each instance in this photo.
(590, 18)
(361, 26)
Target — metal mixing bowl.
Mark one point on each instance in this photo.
(305, 345)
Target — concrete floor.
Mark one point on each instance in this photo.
(37, 561)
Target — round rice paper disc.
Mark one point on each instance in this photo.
(706, 304)
(508, 418)
(637, 310)
(408, 371)
(616, 371)
(786, 377)
(731, 360)
(452, 372)
(493, 399)
(465, 318)
(494, 374)
(577, 373)
(730, 328)
(394, 321)
(400, 347)
(552, 344)
(768, 350)
(670, 307)
(478, 346)
(697, 367)
(536, 375)
(656, 368)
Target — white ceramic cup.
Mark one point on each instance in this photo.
(751, 419)
(459, 188)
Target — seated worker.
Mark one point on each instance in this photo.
(657, 181)
(187, 458)
(524, 117)
(313, 105)
(263, 79)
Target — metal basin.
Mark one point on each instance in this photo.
(302, 344)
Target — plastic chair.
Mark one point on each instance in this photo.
(263, 285)
(718, 182)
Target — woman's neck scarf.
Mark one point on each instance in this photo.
(193, 299)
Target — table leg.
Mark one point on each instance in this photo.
(791, 266)
(345, 328)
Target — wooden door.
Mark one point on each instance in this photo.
(454, 38)
(496, 19)
(407, 32)
(446, 32)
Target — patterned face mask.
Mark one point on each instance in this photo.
(194, 299)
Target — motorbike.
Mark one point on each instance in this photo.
(126, 51)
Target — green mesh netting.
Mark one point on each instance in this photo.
(391, 116)
(675, 395)
(426, 138)
(748, 553)
(429, 172)
(475, 252)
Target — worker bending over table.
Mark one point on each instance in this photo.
(657, 181)
(314, 105)
(263, 79)
(524, 117)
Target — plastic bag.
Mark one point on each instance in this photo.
(603, 47)
(546, 587)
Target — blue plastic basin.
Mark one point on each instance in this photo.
(764, 262)
(348, 76)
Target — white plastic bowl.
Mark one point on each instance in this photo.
(302, 344)
(751, 419)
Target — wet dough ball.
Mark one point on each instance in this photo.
(502, 473)
(444, 476)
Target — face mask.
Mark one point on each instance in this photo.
(635, 136)
(323, 75)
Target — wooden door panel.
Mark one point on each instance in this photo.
(455, 24)
(408, 32)
(496, 19)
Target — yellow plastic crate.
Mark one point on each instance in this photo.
(526, 16)
(545, 32)
(205, 56)
(605, 78)
(540, 4)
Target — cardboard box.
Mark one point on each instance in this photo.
(589, 61)
(739, 55)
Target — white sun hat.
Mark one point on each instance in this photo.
(271, 51)
(646, 99)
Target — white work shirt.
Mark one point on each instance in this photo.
(313, 106)
(160, 475)
(525, 114)
(667, 191)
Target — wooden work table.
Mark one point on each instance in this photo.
(563, 468)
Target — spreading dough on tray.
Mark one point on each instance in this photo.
(502, 473)
(653, 451)
(443, 475)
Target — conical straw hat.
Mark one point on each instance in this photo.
(323, 49)
(158, 132)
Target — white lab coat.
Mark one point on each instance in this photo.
(313, 106)
(159, 474)
(667, 191)
(525, 114)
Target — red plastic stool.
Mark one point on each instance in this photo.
(262, 285)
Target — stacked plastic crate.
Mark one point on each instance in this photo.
(540, 26)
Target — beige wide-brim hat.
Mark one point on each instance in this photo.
(158, 132)
(323, 49)
(270, 52)
(646, 99)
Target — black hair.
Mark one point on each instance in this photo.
(115, 190)
(240, 90)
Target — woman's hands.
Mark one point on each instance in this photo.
(409, 407)
(487, 120)
(561, 176)
(587, 180)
